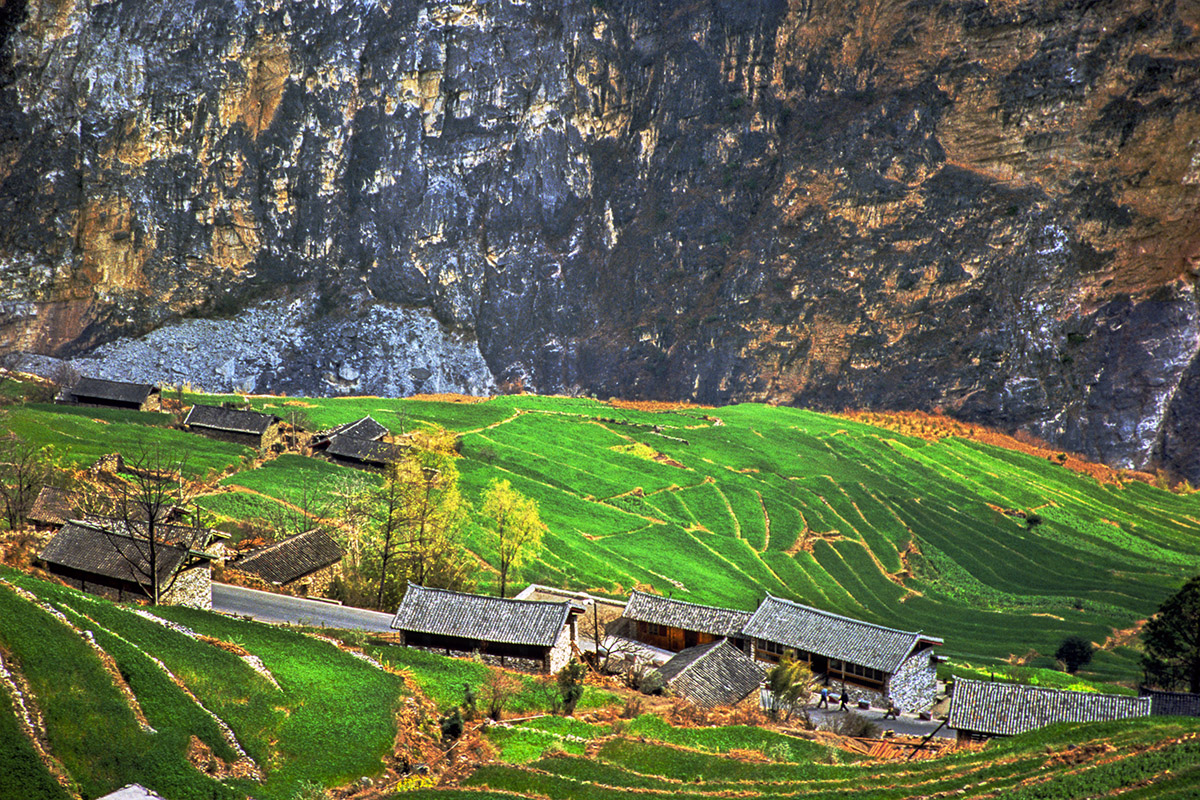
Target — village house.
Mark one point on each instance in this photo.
(249, 428)
(110, 559)
(306, 563)
(598, 627)
(873, 662)
(713, 674)
(365, 428)
(981, 709)
(113, 394)
(522, 634)
(54, 507)
(362, 453)
(675, 625)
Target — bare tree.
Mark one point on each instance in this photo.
(24, 468)
(135, 511)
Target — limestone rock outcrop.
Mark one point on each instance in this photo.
(991, 208)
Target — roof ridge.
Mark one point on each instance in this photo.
(1044, 689)
(687, 602)
(490, 597)
(840, 616)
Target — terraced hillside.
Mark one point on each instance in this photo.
(720, 506)
(1149, 758)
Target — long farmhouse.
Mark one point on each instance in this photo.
(524, 634)
(250, 428)
(873, 662)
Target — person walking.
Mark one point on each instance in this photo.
(845, 699)
(892, 712)
(824, 701)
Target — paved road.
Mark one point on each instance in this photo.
(268, 607)
(907, 724)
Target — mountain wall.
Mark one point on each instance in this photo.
(992, 208)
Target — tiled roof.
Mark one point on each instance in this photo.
(815, 631)
(1005, 709)
(90, 549)
(365, 428)
(1173, 704)
(688, 616)
(292, 558)
(713, 674)
(116, 391)
(230, 419)
(54, 506)
(364, 450)
(472, 616)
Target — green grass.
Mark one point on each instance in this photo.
(21, 772)
(912, 537)
(330, 721)
(1155, 757)
(83, 434)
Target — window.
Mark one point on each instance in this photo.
(770, 647)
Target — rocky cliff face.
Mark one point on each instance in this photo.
(992, 208)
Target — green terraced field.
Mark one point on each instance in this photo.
(845, 516)
(1150, 758)
(323, 716)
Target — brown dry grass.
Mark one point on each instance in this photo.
(448, 398)
(653, 406)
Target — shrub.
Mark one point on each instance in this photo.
(852, 724)
(1074, 652)
(570, 685)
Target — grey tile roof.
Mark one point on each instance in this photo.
(365, 428)
(713, 674)
(292, 558)
(230, 419)
(713, 620)
(1173, 704)
(1005, 709)
(54, 506)
(89, 548)
(473, 616)
(364, 450)
(821, 632)
(114, 391)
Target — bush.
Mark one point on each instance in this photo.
(570, 685)
(1074, 652)
(452, 725)
(856, 725)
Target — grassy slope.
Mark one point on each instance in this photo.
(848, 517)
(1156, 757)
(330, 721)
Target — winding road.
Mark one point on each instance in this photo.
(267, 607)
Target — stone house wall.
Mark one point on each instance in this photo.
(913, 687)
(192, 588)
(563, 650)
(270, 437)
(316, 584)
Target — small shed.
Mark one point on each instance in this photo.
(713, 674)
(524, 634)
(981, 709)
(250, 428)
(365, 428)
(307, 562)
(362, 453)
(676, 625)
(53, 507)
(113, 394)
(110, 559)
(1172, 704)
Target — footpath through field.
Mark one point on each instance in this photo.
(267, 607)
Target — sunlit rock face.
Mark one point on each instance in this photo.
(988, 208)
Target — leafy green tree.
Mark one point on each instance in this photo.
(570, 685)
(514, 526)
(1171, 640)
(419, 517)
(788, 683)
(1074, 652)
